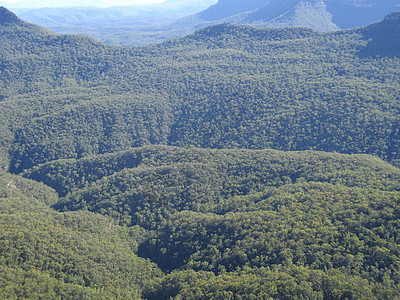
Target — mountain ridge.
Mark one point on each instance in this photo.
(9, 18)
(242, 162)
(103, 83)
(276, 8)
(328, 15)
(267, 11)
(382, 37)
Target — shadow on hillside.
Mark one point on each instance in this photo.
(384, 38)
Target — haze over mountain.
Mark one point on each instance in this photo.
(51, 16)
(121, 25)
(237, 162)
(316, 14)
(281, 65)
(130, 26)
(345, 13)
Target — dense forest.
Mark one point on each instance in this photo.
(229, 224)
(234, 163)
(72, 255)
(225, 86)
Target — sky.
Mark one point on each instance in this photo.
(66, 3)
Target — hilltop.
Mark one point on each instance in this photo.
(226, 86)
(229, 217)
(236, 162)
(8, 18)
(382, 37)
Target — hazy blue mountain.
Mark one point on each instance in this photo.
(125, 25)
(350, 14)
(289, 13)
(387, 44)
(107, 16)
(133, 26)
(227, 8)
(320, 15)
(243, 163)
(345, 13)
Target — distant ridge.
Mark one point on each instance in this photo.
(344, 14)
(129, 27)
(384, 37)
(351, 14)
(271, 13)
(394, 17)
(246, 73)
(225, 8)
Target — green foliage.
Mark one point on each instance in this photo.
(224, 224)
(226, 86)
(280, 283)
(12, 186)
(324, 224)
(318, 226)
(159, 178)
(50, 255)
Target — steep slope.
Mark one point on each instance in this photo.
(259, 223)
(226, 86)
(227, 8)
(157, 23)
(328, 15)
(272, 10)
(8, 18)
(45, 254)
(271, 13)
(383, 38)
(344, 13)
(350, 14)
(291, 14)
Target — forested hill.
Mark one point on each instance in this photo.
(74, 255)
(250, 223)
(131, 205)
(226, 86)
(7, 17)
(386, 44)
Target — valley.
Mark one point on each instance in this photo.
(236, 162)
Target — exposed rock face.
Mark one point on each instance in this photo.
(345, 13)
